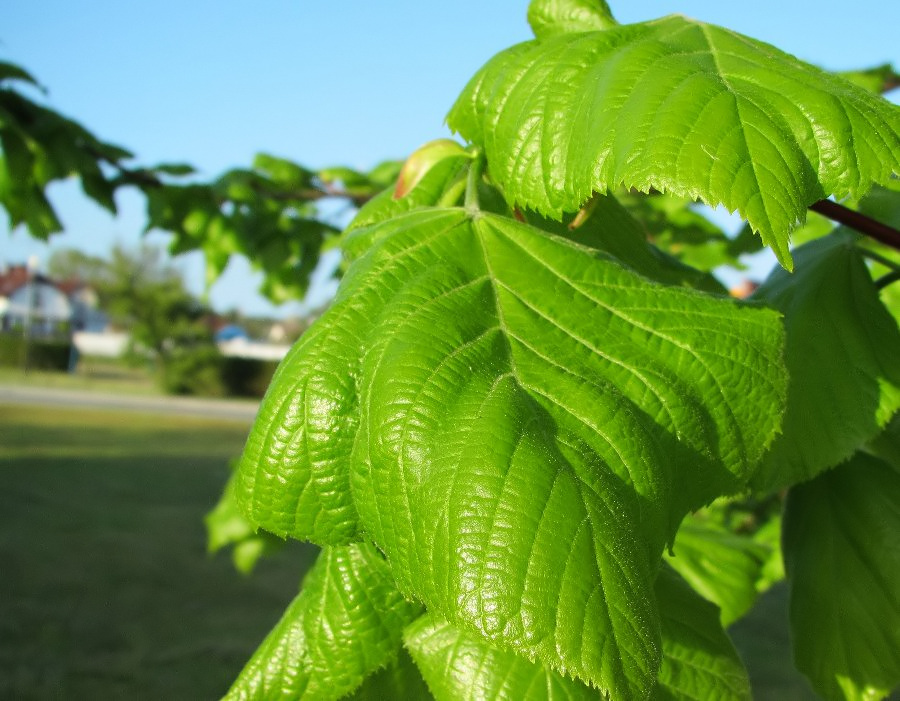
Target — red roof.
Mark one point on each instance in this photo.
(12, 279)
(16, 276)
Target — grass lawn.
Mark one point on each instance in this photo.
(100, 374)
(106, 589)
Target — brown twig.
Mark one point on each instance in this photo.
(857, 221)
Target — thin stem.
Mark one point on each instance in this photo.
(474, 178)
(886, 280)
(859, 222)
(878, 258)
(454, 192)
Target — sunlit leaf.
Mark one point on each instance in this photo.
(521, 447)
(345, 625)
(462, 666)
(678, 106)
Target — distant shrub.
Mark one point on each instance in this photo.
(246, 377)
(41, 354)
(194, 370)
(10, 349)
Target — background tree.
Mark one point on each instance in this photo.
(271, 213)
(144, 294)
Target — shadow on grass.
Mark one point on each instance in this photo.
(107, 589)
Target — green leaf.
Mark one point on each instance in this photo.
(423, 160)
(10, 71)
(294, 475)
(282, 171)
(886, 445)
(769, 536)
(763, 640)
(878, 80)
(699, 661)
(400, 681)
(883, 203)
(385, 173)
(610, 227)
(349, 177)
(721, 566)
(672, 225)
(841, 353)
(534, 420)
(176, 169)
(841, 532)
(226, 525)
(551, 17)
(426, 192)
(681, 107)
(462, 666)
(346, 623)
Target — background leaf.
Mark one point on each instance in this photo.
(400, 681)
(842, 529)
(227, 525)
(841, 352)
(611, 227)
(721, 566)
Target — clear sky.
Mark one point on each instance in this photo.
(322, 83)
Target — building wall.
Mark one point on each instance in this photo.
(41, 307)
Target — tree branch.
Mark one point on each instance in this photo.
(857, 221)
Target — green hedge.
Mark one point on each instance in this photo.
(246, 377)
(43, 354)
(194, 370)
(205, 372)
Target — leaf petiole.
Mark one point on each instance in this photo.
(878, 258)
(474, 177)
(454, 192)
(887, 279)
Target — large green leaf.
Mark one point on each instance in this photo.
(346, 623)
(678, 106)
(533, 421)
(462, 666)
(841, 353)
(721, 566)
(699, 661)
(294, 472)
(841, 536)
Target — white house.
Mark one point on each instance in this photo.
(30, 300)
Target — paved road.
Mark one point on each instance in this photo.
(239, 410)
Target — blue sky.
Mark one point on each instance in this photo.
(213, 83)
